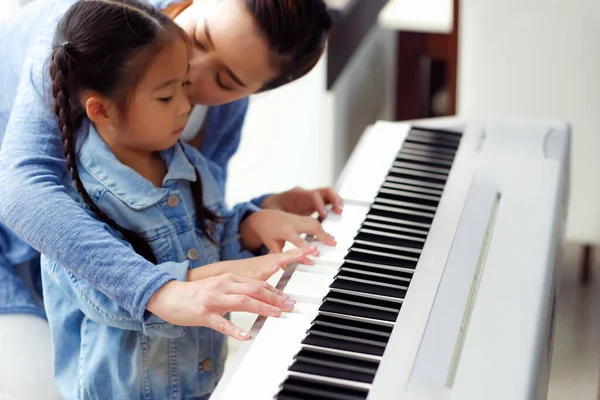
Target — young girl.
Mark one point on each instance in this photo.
(119, 74)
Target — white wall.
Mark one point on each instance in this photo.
(540, 58)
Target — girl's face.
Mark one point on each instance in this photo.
(230, 58)
(157, 110)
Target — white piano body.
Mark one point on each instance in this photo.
(477, 319)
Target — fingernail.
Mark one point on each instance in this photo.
(288, 298)
(244, 334)
(288, 305)
(276, 311)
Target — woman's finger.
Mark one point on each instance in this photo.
(318, 203)
(262, 283)
(256, 291)
(331, 197)
(226, 327)
(249, 303)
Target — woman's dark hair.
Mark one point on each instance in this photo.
(106, 46)
(296, 30)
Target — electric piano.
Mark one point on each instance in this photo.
(444, 281)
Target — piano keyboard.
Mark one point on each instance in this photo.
(412, 303)
(342, 348)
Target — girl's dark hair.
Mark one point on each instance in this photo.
(106, 46)
(296, 30)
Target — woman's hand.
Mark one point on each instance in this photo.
(261, 268)
(273, 228)
(205, 302)
(304, 202)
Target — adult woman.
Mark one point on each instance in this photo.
(240, 47)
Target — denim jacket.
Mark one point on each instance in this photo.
(100, 350)
(33, 202)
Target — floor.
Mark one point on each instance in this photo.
(576, 356)
(576, 360)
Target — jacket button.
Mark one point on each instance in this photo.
(207, 364)
(192, 254)
(173, 201)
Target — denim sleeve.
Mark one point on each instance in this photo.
(103, 310)
(257, 201)
(231, 245)
(36, 206)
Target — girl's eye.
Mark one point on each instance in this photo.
(200, 45)
(166, 99)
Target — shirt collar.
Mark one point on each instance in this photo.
(125, 183)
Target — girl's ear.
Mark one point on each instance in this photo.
(101, 111)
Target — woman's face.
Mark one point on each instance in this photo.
(230, 58)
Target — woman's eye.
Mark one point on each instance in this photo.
(186, 83)
(221, 85)
(166, 99)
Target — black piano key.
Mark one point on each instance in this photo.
(374, 278)
(384, 226)
(444, 132)
(352, 304)
(417, 175)
(434, 137)
(412, 189)
(411, 206)
(435, 142)
(343, 344)
(402, 214)
(396, 221)
(295, 387)
(334, 366)
(414, 182)
(345, 322)
(426, 153)
(379, 270)
(371, 287)
(367, 235)
(350, 335)
(420, 167)
(424, 160)
(409, 197)
(428, 148)
(364, 253)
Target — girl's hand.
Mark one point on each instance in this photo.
(261, 268)
(304, 202)
(205, 302)
(273, 228)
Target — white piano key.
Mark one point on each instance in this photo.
(320, 268)
(394, 228)
(302, 310)
(370, 162)
(335, 381)
(307, 287)
(265, 365)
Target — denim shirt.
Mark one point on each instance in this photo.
(100, 350)
(33, 202)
